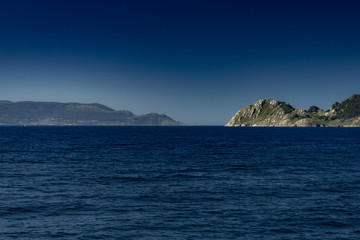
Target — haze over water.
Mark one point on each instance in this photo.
(198, 62)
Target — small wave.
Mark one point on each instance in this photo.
(283, 230)
(333, 223)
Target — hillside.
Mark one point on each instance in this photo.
(270, 112)
(54, 113)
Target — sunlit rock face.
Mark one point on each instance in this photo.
(265, 112)
(273, 113)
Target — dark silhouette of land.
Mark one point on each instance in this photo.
(55, 113)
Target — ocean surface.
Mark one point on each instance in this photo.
(179, 183)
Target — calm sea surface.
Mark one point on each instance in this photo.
(179, 183)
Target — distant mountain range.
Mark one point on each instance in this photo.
(270, 112)
(55, 113)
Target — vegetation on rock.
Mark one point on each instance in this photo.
(347, 109)
(270, 112)
(313, 109)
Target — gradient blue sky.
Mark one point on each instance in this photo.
(196, 61)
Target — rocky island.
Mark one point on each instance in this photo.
(273, 113)
(55, 113)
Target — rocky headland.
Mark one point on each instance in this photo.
(273, 113)
(55, 113)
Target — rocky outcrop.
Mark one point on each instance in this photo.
(273, 113)
(266, 112)
(307, 122)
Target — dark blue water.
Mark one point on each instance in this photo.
(179, 183)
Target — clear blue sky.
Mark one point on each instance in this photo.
(196, 61)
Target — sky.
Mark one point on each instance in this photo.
(199, 62)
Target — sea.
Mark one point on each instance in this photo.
(184, 182)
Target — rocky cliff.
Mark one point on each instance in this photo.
(273, 113)
(54, 113)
